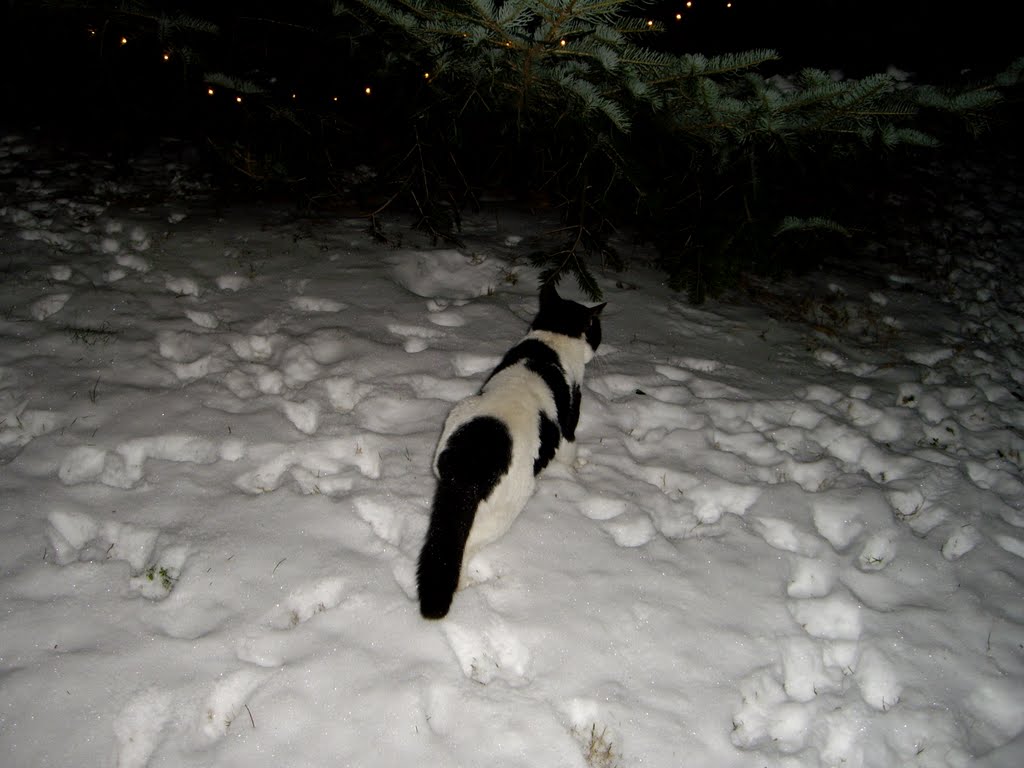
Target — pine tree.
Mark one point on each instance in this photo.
(705, 153)
(722, 167)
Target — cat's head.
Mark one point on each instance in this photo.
(568, 318)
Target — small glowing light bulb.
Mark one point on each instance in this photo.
(689, 4)
(562, 42)
(367, 90)
(679, 17)
(650, 23)
(728, 5)
(334, 99)
(238, 99)
(209, 91)
(426, 75)
(295, 96)
(167, 57)
(124, 41)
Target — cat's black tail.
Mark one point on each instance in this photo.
(441, 557)
(474, 459)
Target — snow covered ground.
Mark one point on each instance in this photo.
(787, 542)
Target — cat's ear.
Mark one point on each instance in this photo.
(595, 311)
(548, 294)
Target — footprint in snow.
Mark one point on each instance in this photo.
(48, 305)
(428, 387)
(766, 715)
(130, 261)
(140, 727)
(344, 393)
(842, 516)
(387, 522)
(318, 466)
(124, 466)
(205, 320)
(19, 426)
(447, 319)
(492, 653)
(996, 480)
(602, 508)
(182, 286)
(416, 337)
(960, 542)
(227, 703)
(715, 497)
(1011, 544)
(805, 674)
(388, 415)
(877, 680)
(277, 644)
(879, 550)
(156, 564)
(834, 617)
(631, 530)
(783, 535)
(811, 577)
(200, 368)
(699, 364)
(254, 348)
(304, 416)
(183, 346)
(467, 365)
(232, 282)
(780, 705)
(315, 304)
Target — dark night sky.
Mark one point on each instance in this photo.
(932, 37)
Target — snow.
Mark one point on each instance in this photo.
(781, 545)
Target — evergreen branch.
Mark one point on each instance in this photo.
(233, 83)
(790, 224)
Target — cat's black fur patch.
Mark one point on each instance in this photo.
(543, 360)
(593, 332)
(476, 456)
(567, 317)
(550, 436)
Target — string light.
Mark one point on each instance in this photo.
(334, 99)
(367, 90)
(124, 41)
(650, 23)
(167, 57)
(728, 5)
(426, 75)
(238, 99)
(295, 96)
(209, 91)
(689, 4)
(562, 42)
(679, 17)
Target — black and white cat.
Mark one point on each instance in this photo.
(496, 442)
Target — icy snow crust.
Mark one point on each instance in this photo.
(783, 544)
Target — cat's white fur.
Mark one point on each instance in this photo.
(515, 396)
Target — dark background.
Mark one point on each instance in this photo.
(934, 38)
(64, 70)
